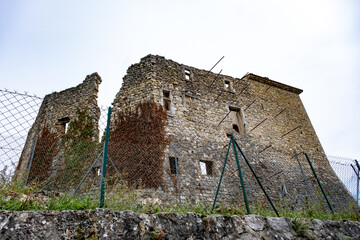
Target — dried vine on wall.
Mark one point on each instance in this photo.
(137, 144)
(45, 152)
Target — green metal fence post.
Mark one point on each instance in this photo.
(303, 174)
(318, 180)
(104, 162)
(222, 174)
(240, 175)
(257, 179)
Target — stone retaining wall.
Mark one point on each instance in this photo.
(104, 224)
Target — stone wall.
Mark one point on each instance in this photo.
(267, 119)
(271, 120)
(57, 110)
(104, 224)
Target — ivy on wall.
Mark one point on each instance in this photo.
(45, 152)
(79, 150)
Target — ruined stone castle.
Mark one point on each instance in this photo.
(267, 119)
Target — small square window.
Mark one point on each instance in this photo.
(63, 124)
(187, 74)
(166, 94)
(172, 162)
(206, 167)
(228, 85)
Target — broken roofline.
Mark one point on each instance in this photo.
(274, 83)
(251, 76)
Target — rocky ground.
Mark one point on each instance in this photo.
(104, 224)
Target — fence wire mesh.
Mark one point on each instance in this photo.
(348, 172)
(290, 184)
(18, 112)
(144, 161)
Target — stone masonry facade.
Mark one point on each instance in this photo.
(57, 110)
(267, 119)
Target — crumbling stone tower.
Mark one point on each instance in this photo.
(266, 117)
(195, 111)
(57, 110)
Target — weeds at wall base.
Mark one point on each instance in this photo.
(15, 197)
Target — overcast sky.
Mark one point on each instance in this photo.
(314, 45)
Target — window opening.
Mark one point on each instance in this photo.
(227, 85)
(167, 105)
(167, 100)
(172, 163)
(63, 124)
(166, 94)
(236, 128)
(237, 119)
(187, 74)
(206, 167)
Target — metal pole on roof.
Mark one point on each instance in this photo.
(214, 65)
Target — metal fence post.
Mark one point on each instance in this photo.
(357, 181)
(222, 174)
(177, 175)
(240, 175)
(88, 172)
(257, 179)
(246, 180)
(303, 174)
(318, 180)
(104, 162)
(31, 160)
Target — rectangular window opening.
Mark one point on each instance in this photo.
(227, 85)
(167, 105)
(172, 163)
(206, 167)
(63, 124)
(166, 94)
(237, 120)
(187, 74)
(167, 100)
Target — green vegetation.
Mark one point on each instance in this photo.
(120, 197)
(300, 227)
(79, 149)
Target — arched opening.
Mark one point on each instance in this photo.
(237, 119)
(236, 128)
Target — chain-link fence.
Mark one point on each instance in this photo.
(63, 151)
(347, 170)
(18, 112)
